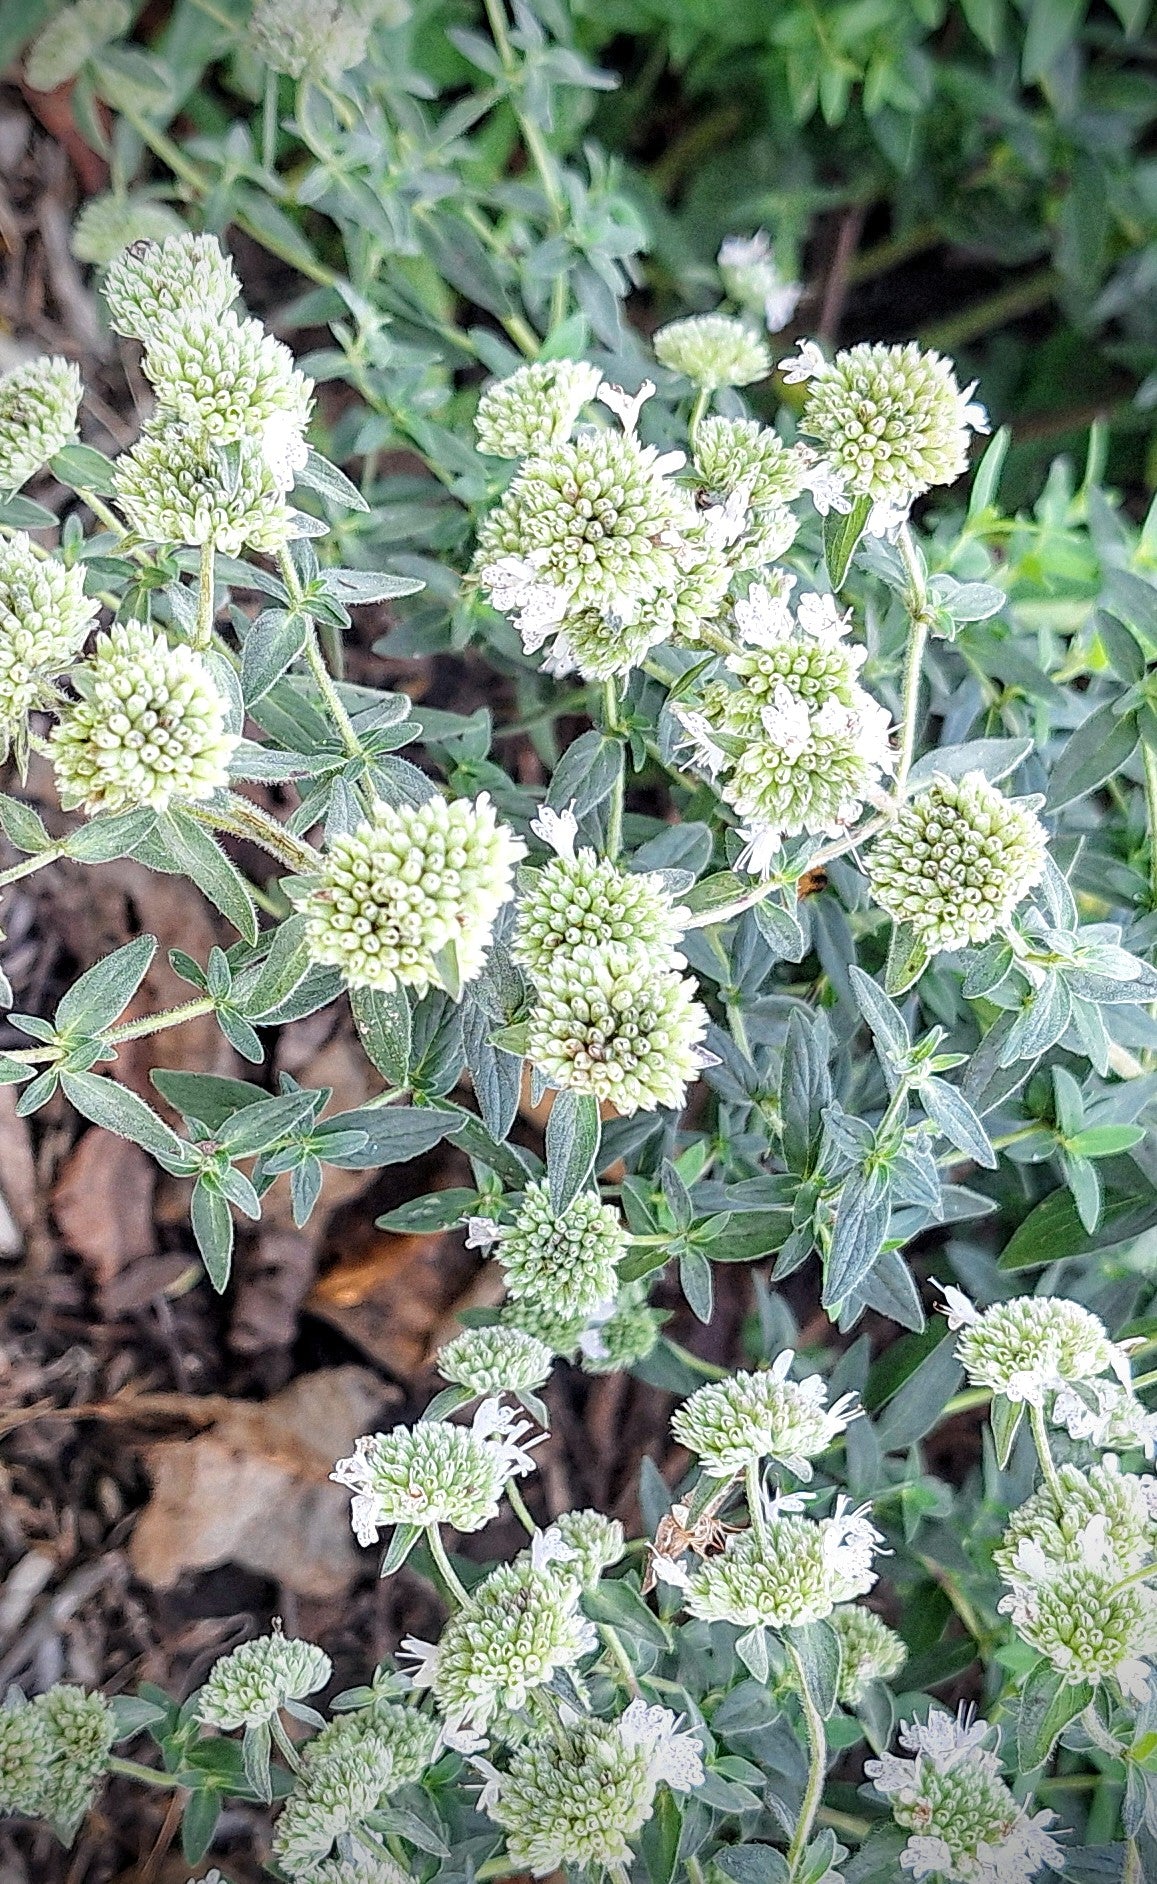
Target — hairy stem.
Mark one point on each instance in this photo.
(755, 1505)
(817, 1767)
(156, 1023)
(517, 1504)
(1044, 1451)
(702, 401)
(917, 605)
(28, 865)
(317, 667)
(205, 597)
(620, 1657)
(240, 817)
(1149, 758)
(147, 1775)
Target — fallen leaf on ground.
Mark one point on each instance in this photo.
(103, 1203)
(393, 1293)
(254, 1489)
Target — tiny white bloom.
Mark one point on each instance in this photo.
(707, 755)
(763, 619)
(673, 1756)
(828, 487)
(958, 1309)
(724, 524)
(787, 722)
(425, 1655)
(482, 1232)
(761, 848)
(558, 829)
(808, 363)
(625, 406)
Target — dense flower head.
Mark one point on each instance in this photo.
(71, 38)
(402, 1739)
(966, 1827)
(300, 36)
(151, 283)
(248, 1687)
(435, 1473)
(331, 1799)
(581, 1797)
(177, 485)
(411, 896)
(583, 898)
(957, 860)
(54, 1752)
(561, 1333)
(496, 1360)
(601, 643)
(1126, 1508)
(799, 739)
(621, 1333)
(731, 1424)
(567, 1261)
(1080, 1612)
(788, 1571)
(869, 1651)
(891, 420)
(110, 223)
(148, 728)
(743, 455)
(1028, 1347)
(39, 402)
(592, 1543)
(521, 1625)
(534, 407)
(606, 1022)
(713, 350)
(595, 522)
(227, 378)
(45, 616)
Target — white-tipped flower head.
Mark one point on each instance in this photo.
(496, 1360)
(400, 1738)
(45, 616)
(148, 728)
(568, 1261)
(410, 898)
(802, 739)
(300, 36)
(606, 1022)
(1081, 1612)
(109, 224)
(731, 1424)
(560, 1333)
(592, 1543)
(966, 1827)
(794, 1571)
(594, 520)
(582, 1797)
(521, 1625)
(620, 1334)
(1124, 1507)
(230, 380)
(749, 274)
(73, 37)
(588, 899)
(713, 350)
(891, 420)
(435, 1473)
(956, 861)
(38, 407)
(601, 643)
(178, 486)
(332, 1797)
(1028, 1348)
(248, 1687)
(535, 407)
(743, 455)
(869, 1651)
(54, 1752)
(151, 283)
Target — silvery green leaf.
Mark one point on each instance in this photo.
(996, 758)
(572, 1146)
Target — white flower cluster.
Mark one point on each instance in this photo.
(964, 1822)
(214, 463)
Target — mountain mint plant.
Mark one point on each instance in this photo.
(808, 931)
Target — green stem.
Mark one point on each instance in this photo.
(446, 1569)
(711, 918)
(615, 810)
(1149, 758)
(317, 667)
(206, 597)
(755, 1508)
(517, 1504)
(1044, 1452)
(817, 1767)
(269, 122)
(240, 817)
(702, 401)
(620, 1657)
(132, 1769)
(695, 1362)
(917, 601)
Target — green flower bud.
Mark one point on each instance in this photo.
(734, 1423)
(608, 1023)
(250, 1686)
(150, 283)
(713, 350)
(535, 407)
(869, 1651)
(435, 1473)
(38, 407)
(300, 36)
(595, 1544)
(957, 860)
(742, 454)
(230, 380)
(397, 895)
(177, 486)
(587, 899)
(496, 1360)
(613, 1342)
(148, 729)
(566, 1262)
(45, 616)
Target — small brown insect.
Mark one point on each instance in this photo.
(674, 1537)
(811, 883)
